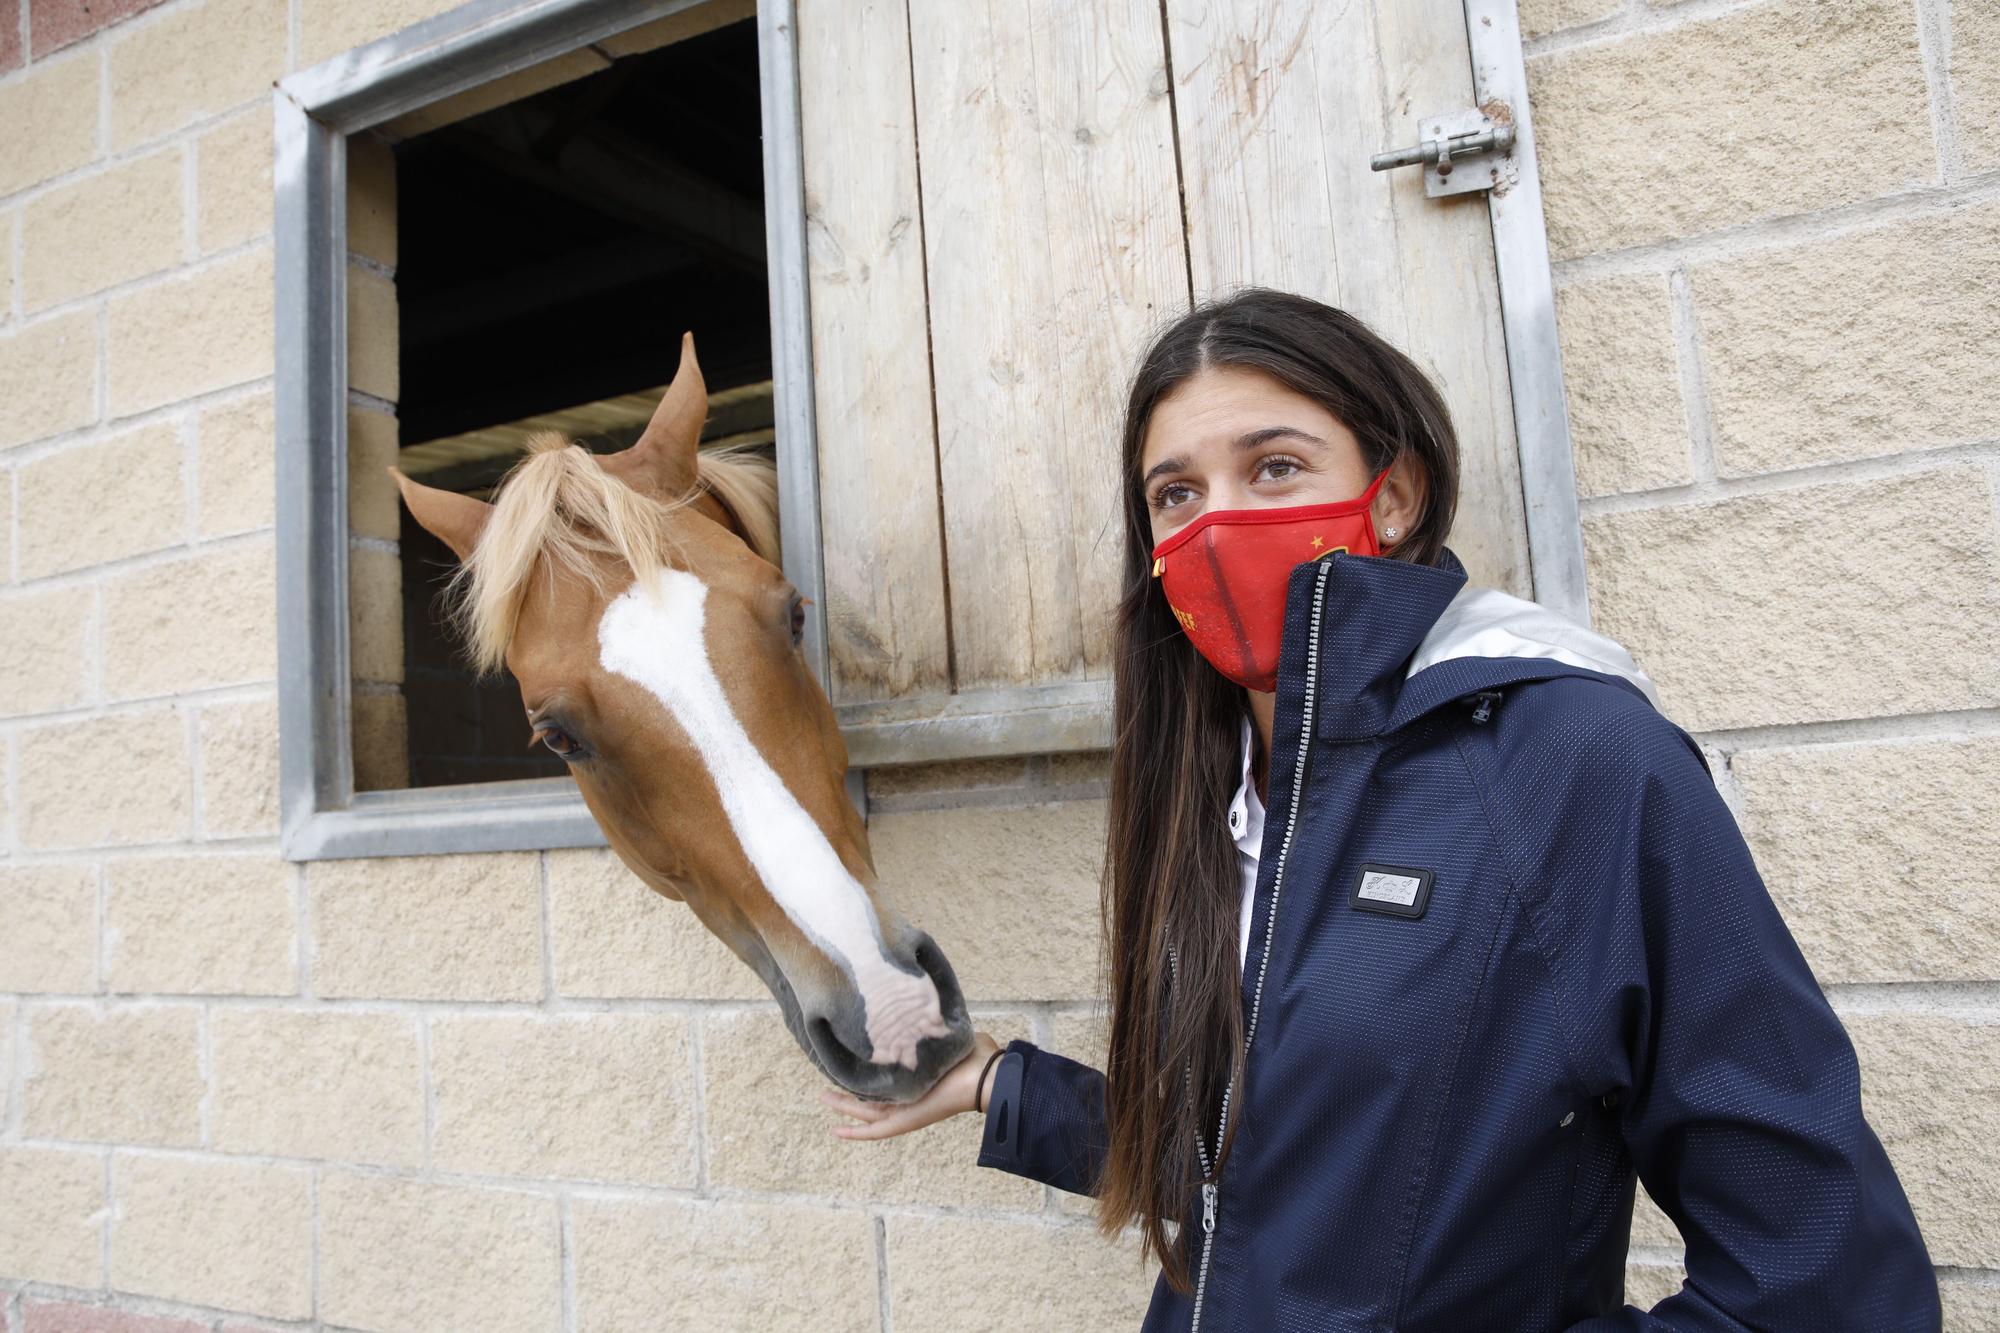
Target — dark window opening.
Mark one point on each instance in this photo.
(551, 252)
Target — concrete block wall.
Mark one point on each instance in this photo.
(1772, 225)
(519, 1092)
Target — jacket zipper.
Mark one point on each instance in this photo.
(1210, 1187)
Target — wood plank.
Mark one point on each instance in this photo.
(1280, 107)
(881, 536)
(1053, 236)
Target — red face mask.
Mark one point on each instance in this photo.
(1224, 575)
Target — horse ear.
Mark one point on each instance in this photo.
(663, 461)
(454, 519)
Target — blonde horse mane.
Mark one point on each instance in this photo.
(559, 504)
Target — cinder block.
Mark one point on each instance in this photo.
(237, 468)
(1928, 1090)
(114, 1074)
(1744, 610)
(94, 503)
(428, 927)
(191, 334)
(229, 1235)
(431, 1258)
(102, 781)
(1650, 1226)
(381, 742)
(192, 62)
(1975, 94)
(1971, 1303)
(373, 340)
(1727, 119)
(328, 27)
(8, 1010)
(205, 620)
(239, 769)
(375, 615)
(735, 1265)
(1871, 343)
(1541, 17)
(44, 639)
(334, 1085)
(768, 1130)
(374, 508)
(48, 373)
(52, 109)
(957, 775)
(52, 1216)
(371, 199)
(48, 918)
(605, 1097)
(215, 925)
(106, 229)
(1647, 1284)
(1009, 893)
(233, 194)
(1622, 374)
(974, 1273)
(613, 936)
(1893, 902)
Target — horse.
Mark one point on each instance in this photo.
(637, 598)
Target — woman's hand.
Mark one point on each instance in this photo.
(948, 1096)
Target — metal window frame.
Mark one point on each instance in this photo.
(314, 111)
(1528, 321)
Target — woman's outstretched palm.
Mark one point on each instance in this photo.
(948, 1096)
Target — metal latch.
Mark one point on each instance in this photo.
(1462, 151)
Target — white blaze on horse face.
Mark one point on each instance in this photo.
(655, 637)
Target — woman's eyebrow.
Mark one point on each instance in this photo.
(1247, 440)
(1256, 437)
(1165, 465)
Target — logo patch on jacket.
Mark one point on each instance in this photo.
(1393, 890)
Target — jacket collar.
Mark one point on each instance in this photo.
(1374, 613)
(1397, 640)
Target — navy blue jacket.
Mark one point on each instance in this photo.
(1566, 969)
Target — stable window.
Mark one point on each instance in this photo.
(490, 224)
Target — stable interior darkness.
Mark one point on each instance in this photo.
(551, 252)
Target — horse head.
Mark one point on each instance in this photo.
(637, 599)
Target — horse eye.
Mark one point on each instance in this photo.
(561, 743)
(798, 618)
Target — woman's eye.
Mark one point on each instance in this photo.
(1164, 497)
(561, 743)
(1290, 466)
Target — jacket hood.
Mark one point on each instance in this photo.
(1397, 640)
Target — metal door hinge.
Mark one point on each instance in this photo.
(1461, 151)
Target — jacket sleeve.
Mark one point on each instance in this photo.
(1741, 1096)
(1045, 1119)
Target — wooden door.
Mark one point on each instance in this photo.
(1003, 202)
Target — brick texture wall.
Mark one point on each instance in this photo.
(518, 1092)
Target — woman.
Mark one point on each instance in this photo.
(1391, 1056)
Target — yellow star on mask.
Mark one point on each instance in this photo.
(1317, 543)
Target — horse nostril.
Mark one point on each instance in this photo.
(951, 1000)
(842, 1061)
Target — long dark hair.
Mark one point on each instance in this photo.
(1170, 878)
